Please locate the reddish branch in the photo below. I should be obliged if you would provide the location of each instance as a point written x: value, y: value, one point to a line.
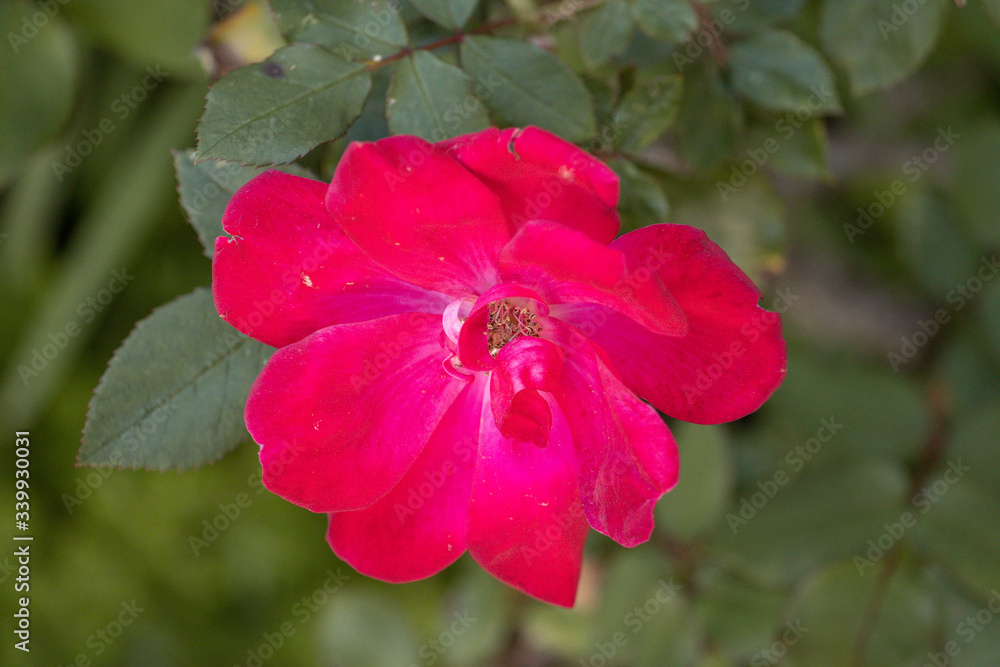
x: 708, y: 26
x: 550, y: 17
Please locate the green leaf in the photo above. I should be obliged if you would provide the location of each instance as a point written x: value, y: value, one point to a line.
x: 965, y: 369
x: 979, y: 164
x: 960, y: 528
x: 803, y: 150
x: 647, y: 109
x: 206, y: 187
x: 449, y: 13
x: 992, y: 8
x: 779, y: 71
x: 895, y: 427
x: 742, y: 16
x: 704, y: 492
x: 604, y: 102
x: 933, y: 243
x: 37, y: 80
x: 707, y: 121
x: 831, y: 612
x: 352, y: 30
x: 174, y: 393
x: 433, y: 100
x: 634, y: 580
x: 786, y: 525
x: 566, y: 46
x: 670, y: 21
x: 877, y: 42
x: 345, y: 632
x: 738, y: 612
x: 278, y: 110
x: 491, y: 605
x: 605, y: 32
x: 977, y: 644
x: 642, y: 200
x: 974, y: 441
x: 747, y: 219
x: 162, y: 34
x: 959, y: 504
x: 989, y: 308
x: 525, y: 85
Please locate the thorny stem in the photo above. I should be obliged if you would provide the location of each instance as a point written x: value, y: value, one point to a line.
x: 875, y: 604
x: 717, y: 48
x: 938, y: 406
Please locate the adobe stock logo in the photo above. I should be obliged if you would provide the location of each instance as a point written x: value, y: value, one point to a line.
x: 959, y: 296
x: 913, y: 169
x: 796, y: 460
x: 923, y: 501
x: 37, y: 21
x: 88, y: 310
x: 720, y: 362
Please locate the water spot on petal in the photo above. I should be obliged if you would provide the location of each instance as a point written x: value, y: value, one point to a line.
x: 306, y: 280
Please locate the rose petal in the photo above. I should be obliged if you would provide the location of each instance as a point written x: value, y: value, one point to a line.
x: 565, y: 266
x: 626, y: 455
x: 342, y: 414
x: 733, y: 356
x: 525, y: 366
x: 289, y: 270
x: 540, y: 176
x: 419, y: 214
x: 418, y: 529
x: 526, y: 524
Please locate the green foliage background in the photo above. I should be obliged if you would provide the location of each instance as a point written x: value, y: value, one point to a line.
x: 846, y: 153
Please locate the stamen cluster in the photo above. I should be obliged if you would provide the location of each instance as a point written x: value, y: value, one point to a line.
x: 508, y: 322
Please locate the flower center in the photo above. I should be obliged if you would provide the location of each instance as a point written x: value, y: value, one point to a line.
x: 507, y: 322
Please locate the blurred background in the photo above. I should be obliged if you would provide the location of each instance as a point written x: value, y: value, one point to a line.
x: 853, y: 520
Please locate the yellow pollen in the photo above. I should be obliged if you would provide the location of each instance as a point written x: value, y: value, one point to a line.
x: 507, y: 322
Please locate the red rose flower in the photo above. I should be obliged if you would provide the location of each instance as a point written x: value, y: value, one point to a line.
x: 469, y: 360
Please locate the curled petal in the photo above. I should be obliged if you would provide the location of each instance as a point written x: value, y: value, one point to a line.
x: 288, y: 269
x: 342, y: 414
x: 540, y: 176
x: 525, y: 367
x: 565, y: 266
x: 626, y: 456
x: 454, y: 315
x: 526, y: 525
x: 733, y: 356
x: 419, y: 214
x: 525, y: 417
x: 418, y: 529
